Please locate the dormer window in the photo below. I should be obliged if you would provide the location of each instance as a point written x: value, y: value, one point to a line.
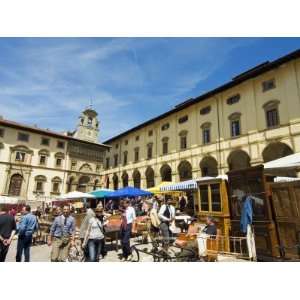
x: 205, y: 110
x: 233, y: 99
x: 183, y: 119
x: 90, y: 121
x: 165, y: 126
x: 268, y: 85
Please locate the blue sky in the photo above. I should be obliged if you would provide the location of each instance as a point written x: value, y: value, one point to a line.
x: 49, y: 81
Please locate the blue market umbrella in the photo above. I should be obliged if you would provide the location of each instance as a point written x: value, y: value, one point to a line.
x: 101, y: 193
x: 128, y: 192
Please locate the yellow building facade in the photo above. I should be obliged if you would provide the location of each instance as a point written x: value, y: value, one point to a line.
x: 252, y: 119
x: 39, y: 165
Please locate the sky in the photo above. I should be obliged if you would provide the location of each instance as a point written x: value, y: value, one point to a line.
x: 48, y: 81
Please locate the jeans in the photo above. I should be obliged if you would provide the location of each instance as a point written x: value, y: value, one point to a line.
x: 165, y: 232
x: 125, y: 240
x: 94, y: 247
x: 24, y: 244
x: 3, y: 252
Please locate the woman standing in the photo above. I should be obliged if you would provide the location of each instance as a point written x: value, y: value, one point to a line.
x: 95, y: 236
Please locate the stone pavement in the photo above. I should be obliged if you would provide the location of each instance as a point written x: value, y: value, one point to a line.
x: 41, y: 253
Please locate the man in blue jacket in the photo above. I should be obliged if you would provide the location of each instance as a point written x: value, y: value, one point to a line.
x: 27, y: 226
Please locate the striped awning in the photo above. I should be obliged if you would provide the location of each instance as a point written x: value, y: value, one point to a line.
x: 180, y: 186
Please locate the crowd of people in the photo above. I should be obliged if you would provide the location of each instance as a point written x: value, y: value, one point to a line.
x: 159, y: 212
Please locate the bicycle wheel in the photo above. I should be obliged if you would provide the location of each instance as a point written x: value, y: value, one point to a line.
x: 135, y: 254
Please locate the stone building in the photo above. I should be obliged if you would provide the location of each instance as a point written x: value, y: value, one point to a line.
x: 252, y: 119
x: 38, y: 164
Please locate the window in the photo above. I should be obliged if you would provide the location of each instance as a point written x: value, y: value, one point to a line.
x: 45, y: 142
x: 183, y: 119
x: 272, y: 115
x: 43, y: 159
x: 210, y: 199
x: 117, y: 146
x: 183, y: 142
x: 125, y: 158
x: 73, y: 165
x: 233, y: 99
x: 204, y: 198
x: 60, y: 144
x: 39, y: 186
x: 1, y: 132
x: 20, y: 156
x: 90, y: 121
x: 235, y: 124
x: 215, y: 197
x: 55, y: 188
x: 126, y: 142
x: 205, y: 110
x: 165, y: 147
x: 150, y: 132
x: 268, y: 85
x: 165, y: 126
x: 206, y: 135
x: 107, y: 163
x: 56, y: 182
x: 115, y: 160
x: 149, y: 151
x: 137, y: 138
x: 98, y: 168
x: 136, y: 154
x: 58, y: 162
x: 183, y: 139
x: 23, y: 137
x: 235, y: 128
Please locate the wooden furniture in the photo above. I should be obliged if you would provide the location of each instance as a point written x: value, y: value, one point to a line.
x: 213, y: 201
x: 276, y: 212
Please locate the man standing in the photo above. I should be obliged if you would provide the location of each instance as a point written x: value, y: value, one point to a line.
x: 62, y: 235
x: 128, y: 218
x: 7, y: 232
x: 154, y: 221
x: 167, y: 216
x: 27, y: 226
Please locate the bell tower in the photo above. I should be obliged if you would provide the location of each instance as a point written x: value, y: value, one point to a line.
x: 88, y: 126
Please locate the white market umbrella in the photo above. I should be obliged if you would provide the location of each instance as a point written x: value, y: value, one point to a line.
x: 288, y: 162
x: 75, y: 195
x: 8, y: 200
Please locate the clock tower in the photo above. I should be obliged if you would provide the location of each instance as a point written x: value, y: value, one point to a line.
x: 88, y: 126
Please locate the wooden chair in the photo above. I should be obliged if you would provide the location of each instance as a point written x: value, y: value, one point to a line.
x: 212, y: 246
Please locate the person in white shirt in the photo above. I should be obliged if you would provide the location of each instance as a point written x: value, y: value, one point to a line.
x: 128, y: 218
x: 167, y: 216
x: 95, y: 236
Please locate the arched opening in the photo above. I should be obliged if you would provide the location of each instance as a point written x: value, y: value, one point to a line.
x: 83, y: 184
x: 166, y: 173
x: 15, y: 185
x: 116, y: 181
x: 276, y: 150
x: 185, y: 170
x: 136, y: 179
x: 107, y: 182
x: 70, y: 184
x: 96, y: 184
x: 209, y: 167
x: 125, y: 179
x: 150, y: 177
x: 238, y: 159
